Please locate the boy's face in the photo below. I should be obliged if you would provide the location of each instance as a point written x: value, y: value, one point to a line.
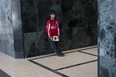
x: 52, y: 16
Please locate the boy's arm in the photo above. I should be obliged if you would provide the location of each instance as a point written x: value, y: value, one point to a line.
x: 48, y: 29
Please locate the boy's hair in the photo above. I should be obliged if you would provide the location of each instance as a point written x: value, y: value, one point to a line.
x: 52, y: 12
x: 48, y: 15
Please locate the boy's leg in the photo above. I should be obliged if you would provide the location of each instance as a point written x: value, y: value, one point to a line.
x: 58, y: 47
x: 54, y: 47
x: 59, y: 50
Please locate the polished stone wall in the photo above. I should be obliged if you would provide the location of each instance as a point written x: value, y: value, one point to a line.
x: 78, y: 29
x: 10, y: 28
x: 6, y: 30
x: 107, y: 38
x: 17, y: 28
x: 23, y: 25
x: 34, y: 18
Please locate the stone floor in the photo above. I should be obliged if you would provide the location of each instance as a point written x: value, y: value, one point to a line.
x: 76, y: 63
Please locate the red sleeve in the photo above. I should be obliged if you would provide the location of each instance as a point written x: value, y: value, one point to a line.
x: 48, y: 29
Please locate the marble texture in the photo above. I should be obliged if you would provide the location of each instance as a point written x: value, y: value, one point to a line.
x: 72, y: 23
x: 34, y: 18
x: 23, y: 25
x: 79, y: 27
x: 77, y: 71
x: 107, y: 38
x: 60, y: 62
x: 36, y: 44
x: 6, y: 30
x: 17, y: 29
x: 24, y: 68
x: 11, y: 41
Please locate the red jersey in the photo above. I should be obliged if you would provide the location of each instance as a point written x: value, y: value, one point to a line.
x: 52, y: 28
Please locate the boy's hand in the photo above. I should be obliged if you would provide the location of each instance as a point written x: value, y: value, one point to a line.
x: 51, y: 38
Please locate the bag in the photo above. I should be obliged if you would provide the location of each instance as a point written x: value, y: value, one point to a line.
x: 55, y: 38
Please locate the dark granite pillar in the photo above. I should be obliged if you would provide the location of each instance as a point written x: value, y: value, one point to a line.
x: 107, y: 38
x: 11, y: 41
x: 17, y: 28
x: 6, y: 30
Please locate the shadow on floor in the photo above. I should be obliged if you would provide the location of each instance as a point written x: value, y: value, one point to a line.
x: 3, y: 74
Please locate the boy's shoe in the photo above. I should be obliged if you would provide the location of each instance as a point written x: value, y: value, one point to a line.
x: 60, y: 55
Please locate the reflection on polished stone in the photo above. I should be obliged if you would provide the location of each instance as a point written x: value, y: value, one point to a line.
x: 78, y: 29
x: 26, y: 23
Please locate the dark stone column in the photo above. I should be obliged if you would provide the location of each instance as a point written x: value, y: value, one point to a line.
x: 11, y: 41
x: 17, y: 28
x: 107, y: 38
x: 6, y: 30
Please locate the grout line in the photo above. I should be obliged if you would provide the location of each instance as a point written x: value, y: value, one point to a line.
x: 82, y: 49
x: 87, y: 53
x: 63, y: 75
x: 71, y: 51
x: 43, y: 57
x: 75, y: 65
